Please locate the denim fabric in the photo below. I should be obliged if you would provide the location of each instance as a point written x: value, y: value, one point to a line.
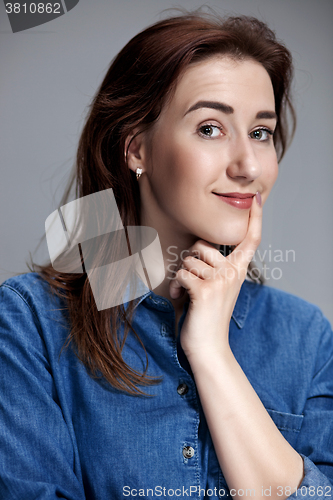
x: 66, y: 435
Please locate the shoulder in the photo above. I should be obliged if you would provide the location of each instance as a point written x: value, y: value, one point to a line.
x: 28, y: 291
x: 29, y: 308
x: 296, y: 322
x: 272, y: 302
x: 27, y: 285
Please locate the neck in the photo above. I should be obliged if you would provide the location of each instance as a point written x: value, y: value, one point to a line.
x: 175, y: 247
x: 175, y: 241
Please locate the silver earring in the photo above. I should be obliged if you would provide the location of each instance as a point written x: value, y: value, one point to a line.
x: 138, y: 173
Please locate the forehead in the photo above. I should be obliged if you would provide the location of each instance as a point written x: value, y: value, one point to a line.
x: 236, y: 83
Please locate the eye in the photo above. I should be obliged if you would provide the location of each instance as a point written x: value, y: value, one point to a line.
x: 261, y: 134
x: 209, y: 131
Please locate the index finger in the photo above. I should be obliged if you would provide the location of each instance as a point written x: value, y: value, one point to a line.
x: 244, y: 252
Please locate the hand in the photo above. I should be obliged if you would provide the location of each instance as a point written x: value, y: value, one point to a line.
x: 213, y: 283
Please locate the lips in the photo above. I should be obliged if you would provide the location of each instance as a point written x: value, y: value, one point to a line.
x: 237, y: 200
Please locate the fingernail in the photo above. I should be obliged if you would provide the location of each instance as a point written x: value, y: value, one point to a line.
x: 258, y: 198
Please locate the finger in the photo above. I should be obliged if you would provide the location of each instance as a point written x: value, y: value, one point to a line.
x: 197, y: 267
x: 175, y: 289
x: 244, y: 252
x: 207, y: 253
x: 183, y: 281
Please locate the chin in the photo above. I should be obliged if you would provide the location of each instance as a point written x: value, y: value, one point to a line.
x: 231, y: 238
x: 225, y: 242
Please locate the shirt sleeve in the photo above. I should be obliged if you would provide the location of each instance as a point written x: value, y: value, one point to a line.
x: 315, y: 441
x: 37, y: 457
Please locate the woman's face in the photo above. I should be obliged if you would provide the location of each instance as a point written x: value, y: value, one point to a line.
x: 213, y: 138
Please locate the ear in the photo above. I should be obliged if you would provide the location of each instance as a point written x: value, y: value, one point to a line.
x: 135, y: 152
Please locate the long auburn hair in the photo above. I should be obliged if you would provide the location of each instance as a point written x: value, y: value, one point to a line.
x: 139, y: 80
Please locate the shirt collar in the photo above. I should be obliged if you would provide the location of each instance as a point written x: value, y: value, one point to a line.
x: 239, y: 314
x: 243, y: 304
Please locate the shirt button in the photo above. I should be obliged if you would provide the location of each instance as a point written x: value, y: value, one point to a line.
x: 182, y: 389
x: 164, y: 330
x: 188, y: 451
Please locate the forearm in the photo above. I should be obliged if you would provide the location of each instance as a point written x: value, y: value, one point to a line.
x: 251, y: 451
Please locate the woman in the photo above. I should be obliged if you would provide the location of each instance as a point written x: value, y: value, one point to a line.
x: 211, y: 385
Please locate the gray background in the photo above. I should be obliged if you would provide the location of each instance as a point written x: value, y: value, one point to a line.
x: 50, y: 73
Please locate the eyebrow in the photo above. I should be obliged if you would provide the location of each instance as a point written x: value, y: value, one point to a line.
x: 267, y: 114
x: 228, y: 110
x: 220, y: 106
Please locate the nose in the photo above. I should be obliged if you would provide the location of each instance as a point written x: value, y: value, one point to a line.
x: 243, y: 162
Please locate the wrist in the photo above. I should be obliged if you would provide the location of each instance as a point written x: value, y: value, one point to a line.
x: 209, y: 359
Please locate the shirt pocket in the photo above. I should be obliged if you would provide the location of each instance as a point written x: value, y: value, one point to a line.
x: 289, y: 424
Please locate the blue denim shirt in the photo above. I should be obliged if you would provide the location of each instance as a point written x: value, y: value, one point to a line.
x: 66, y: 435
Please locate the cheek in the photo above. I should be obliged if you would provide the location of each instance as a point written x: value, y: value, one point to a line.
x: 271, y: 175
x: 274, y: 172
x: 193, y: 165
x: 178, y: 164
x: 170, y: 172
